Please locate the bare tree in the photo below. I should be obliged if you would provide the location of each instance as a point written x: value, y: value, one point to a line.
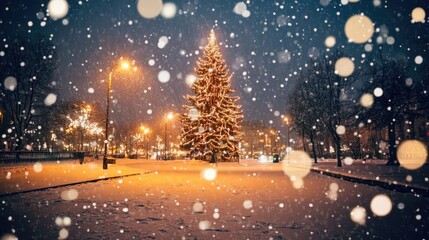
x: 402, y: 99
x: 26, y: 71
x: 324, y: 96
x: 302, y: 108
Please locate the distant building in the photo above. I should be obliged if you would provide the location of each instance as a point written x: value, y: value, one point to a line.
x: 258, y: 139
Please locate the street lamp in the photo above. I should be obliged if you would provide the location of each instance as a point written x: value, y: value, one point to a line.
x: 1, y: 122
x: 286, y: 120
x: 146, y: 132
x: 124, y: 65
x: 169, y: 117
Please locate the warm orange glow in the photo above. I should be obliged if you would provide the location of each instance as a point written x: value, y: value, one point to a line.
x: 125, y: 65
x: 144, y: 129
x: 286, y: 120
x: 170, y: 116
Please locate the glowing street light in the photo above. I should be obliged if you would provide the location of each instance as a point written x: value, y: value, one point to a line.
x: 146, y: 140
x: 1, y: 122
x: 286, y: 120
x: 123, y: 65
x: 169, y: 117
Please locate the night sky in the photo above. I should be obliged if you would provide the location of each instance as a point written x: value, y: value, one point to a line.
x: 264, y: 51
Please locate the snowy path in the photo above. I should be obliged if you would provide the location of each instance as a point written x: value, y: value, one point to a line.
x: 174, y: 201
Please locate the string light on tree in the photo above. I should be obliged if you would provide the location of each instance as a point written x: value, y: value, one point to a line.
x: 216, y: 128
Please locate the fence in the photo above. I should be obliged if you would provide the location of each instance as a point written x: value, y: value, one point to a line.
x: 18, y: 157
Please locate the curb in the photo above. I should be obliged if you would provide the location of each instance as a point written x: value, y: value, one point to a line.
x: 71, y: 184
x: 399, y: 187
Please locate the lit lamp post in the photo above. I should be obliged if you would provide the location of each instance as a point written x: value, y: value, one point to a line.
x: 1, y: 122
x: 169, y: 117
x: 286, y: 120
x: 124, y: 65
x: 146, y: 132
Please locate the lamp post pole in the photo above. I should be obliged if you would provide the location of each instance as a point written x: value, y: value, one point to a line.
x: 286, y: 120
x: 165, y: 141
x: 106, y: 136
x: 1, y: 122
x: 146, y: 132
x: 169, y: 117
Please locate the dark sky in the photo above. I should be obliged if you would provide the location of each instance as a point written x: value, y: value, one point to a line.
x: 256, y: 48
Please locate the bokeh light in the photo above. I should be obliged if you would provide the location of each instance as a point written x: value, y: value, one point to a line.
x: 296, y: 164
x: 359, y: 29
x: 378, y: 92
x: 366, y: 100
x: 209, y: 174
x: 190, y: 79
x: 247, y: 204
x: 169, y: 10
x: 69, y: 195
x: 58, y: 9
x: 149, y: 8
x: 10, y: 83
x: 344, y: 67
x: 163, y: 76
x: 341, y: 130
x: 348, y: 161
x: 412, y: 154
x: 204, y: 225
x: 330, y: 41
x: 418, y: 15
x: 381, y: 205
x: 37, y: 167
x: 197, y: 207
x: 358, y: 215
x: 418, y: 59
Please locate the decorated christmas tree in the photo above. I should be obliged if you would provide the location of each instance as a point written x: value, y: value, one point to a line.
x: 212, y: 123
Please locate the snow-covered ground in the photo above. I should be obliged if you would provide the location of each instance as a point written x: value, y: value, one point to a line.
x: 196, y: 200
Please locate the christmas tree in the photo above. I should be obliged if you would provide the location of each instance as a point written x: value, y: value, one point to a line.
x: 212, y: 123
